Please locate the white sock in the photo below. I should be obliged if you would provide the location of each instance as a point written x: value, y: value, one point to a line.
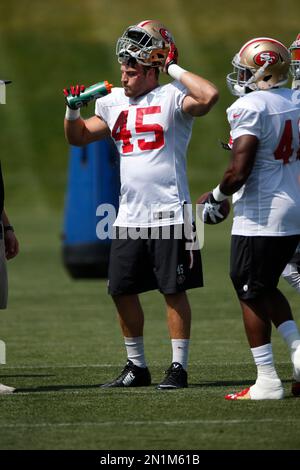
x: 180, y: 350
x: 290, y: 333
x: 268, y: 385
x: 263, y: 355
x: 135, y: 350
x: 263, y: 358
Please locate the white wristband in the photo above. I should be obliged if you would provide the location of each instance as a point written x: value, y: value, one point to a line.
x: 175, y: 71
x: 72, y: 114
x: 218, y: 195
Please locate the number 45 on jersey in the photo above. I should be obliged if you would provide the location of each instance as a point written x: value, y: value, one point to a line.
x: 120, y: 131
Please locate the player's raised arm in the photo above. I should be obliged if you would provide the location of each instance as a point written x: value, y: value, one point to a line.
x: 202, y: 93
x: 80, y: 131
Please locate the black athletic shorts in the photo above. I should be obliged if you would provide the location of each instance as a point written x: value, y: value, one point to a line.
x: 256, y: 263
x: 160, y: 258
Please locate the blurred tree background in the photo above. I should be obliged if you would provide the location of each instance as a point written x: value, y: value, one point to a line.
x: 46, y: 46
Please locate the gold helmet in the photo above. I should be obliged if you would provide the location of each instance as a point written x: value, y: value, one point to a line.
x: 295, y: 55
x: 261, y: 64
x: 147, y: 42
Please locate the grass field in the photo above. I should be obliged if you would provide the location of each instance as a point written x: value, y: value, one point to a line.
x: 63, y: 341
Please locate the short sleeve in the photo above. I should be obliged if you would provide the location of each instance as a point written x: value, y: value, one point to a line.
x: 180, y: 93
x: 99, y: 109
x: 244, y: 122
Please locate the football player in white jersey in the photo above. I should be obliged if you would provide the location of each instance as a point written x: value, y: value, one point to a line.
x: 151, y: 126
x: 264, y: 179
x: 291, y: 272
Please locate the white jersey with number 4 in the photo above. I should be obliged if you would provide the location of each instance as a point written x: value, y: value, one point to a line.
x: 269, y: 202
x: 151, y: 134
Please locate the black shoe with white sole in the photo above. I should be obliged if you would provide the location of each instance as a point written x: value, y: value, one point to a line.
x: 176, y: 377
x: 131, y: 376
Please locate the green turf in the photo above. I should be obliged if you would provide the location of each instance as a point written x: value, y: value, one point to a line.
x: 63, y: 341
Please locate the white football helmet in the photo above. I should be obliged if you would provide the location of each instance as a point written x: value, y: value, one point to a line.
x: 261, y: 64
x: 147, y: 42
x: 295, y: 62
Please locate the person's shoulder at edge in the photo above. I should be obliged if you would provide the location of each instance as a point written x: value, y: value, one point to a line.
x: 255, y: 101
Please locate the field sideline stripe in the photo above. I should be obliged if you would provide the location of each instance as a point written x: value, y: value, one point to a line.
x: 150, y: 423
x: 80, y: 366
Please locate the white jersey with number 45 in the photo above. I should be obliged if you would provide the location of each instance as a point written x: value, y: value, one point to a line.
x: 151, y: 134
x: 269, y: 202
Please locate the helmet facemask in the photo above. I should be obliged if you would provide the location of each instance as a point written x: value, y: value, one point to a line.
x: 139, y: 44
x: 238, y: 81
x: 295, y: 62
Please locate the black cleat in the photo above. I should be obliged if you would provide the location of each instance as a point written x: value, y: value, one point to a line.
x: 296, y: 389
x: 176, y: 377
x: 131, y: 376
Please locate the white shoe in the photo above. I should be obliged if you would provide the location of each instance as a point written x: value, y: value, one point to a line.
x: 267, y: 389
x: 6, y: 389
x: 296, y: 364
x: 263, y: 389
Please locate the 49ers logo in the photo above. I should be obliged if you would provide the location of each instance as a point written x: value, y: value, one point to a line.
x: 296, y: 43
x: 166, y: 35
x: 267, y: 56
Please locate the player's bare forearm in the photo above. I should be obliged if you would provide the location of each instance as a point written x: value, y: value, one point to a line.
x: 81, y: 132
x: 242, y: 161
x: 74, y: 131
x: 202, y: 94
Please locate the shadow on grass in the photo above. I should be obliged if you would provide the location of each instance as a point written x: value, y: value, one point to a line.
x: 26, y: 375
x: 225, y: 383
x: 222, y: 383
x: 54, y: 388
x: 59, y: 388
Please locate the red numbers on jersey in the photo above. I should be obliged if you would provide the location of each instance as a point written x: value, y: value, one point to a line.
x: 140, y: 127
x: 285, y: 149
x: 120, y: 131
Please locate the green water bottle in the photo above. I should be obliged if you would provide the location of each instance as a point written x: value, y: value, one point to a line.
x: 89, y: 94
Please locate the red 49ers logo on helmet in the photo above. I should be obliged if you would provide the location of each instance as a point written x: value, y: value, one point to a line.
x: 266, y: 56
x: 166, y: 35
x: 297, y: 41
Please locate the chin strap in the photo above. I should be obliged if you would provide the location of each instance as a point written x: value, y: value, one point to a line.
x: 258, y: 75
x: 255, y: 78
x: 241, y: 90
